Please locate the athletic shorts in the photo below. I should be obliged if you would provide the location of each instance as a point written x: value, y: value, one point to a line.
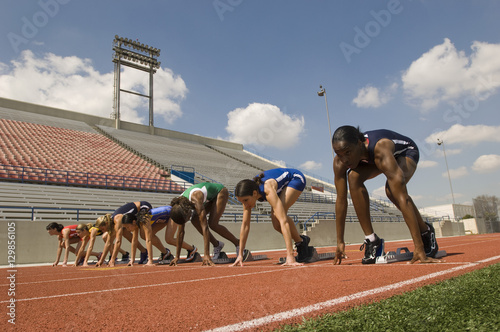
x: 298, y: 182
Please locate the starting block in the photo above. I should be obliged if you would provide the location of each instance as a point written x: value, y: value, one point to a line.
x: 401, y: 255
x: 197, y: 258
x: 312, y: 257
x: 223, y: 259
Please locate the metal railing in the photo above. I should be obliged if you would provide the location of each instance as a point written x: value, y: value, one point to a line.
x: 27, y: 174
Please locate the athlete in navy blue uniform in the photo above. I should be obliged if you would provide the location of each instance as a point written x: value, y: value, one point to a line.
x: 159, y: 218
x: 360, y: 157
x: 281, y: 187
x: 114, y: 224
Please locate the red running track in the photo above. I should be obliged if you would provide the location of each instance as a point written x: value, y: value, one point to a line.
x: 260, y: 296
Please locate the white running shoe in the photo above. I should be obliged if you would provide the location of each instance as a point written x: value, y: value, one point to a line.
x: 217, y: 250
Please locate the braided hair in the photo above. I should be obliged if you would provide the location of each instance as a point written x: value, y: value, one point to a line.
x: 181, y: 207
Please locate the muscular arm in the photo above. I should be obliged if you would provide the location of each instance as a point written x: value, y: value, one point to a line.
x: 180, y: 239
x: 118, y: 243
x: 65, y: 234
x: 197, y: 199
x: 340, y: 180
x: 270, y: 187
x: 81, y: 250
x: 148, y: 231
x: 244, y: 230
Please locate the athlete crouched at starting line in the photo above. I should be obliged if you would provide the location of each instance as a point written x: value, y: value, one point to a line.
x: 195, y: 204
x: 281, y: 187
x: 113, y: 224
x: 88, y: 233
x: 159, y: 218
x: 363, y: 156
x: 66, y: 236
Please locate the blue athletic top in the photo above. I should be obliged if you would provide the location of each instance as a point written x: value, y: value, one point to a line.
x: 131, y: 208
x: 161, y: 213
x: 285, y: 177
x: 404, y: 146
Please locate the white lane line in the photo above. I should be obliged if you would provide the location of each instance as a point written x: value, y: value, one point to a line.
x: 97, y: 277
x: 153, y: 285
x: 252, y: 324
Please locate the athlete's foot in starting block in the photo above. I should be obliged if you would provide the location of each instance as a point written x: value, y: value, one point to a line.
x: 312, y: 256
x: 247, y: 257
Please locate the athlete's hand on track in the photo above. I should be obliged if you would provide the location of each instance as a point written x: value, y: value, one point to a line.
x: 174, y: 262
x: 290, y: 261
x: 339, y: 254
x: 239, y: 260
x: 420, y: 256
x: 207, y: 261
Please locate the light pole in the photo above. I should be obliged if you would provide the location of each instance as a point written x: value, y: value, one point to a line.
x: 130, y: 53
x: 440, y: 142
x: 322, y: 93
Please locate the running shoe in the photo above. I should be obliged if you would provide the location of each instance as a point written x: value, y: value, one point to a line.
x: 303, y: 248
x: 372, y: 250
x: 217, y: 250
x: 125, y: 257
x: 191, y: 254
x: 144, y: 257
x: 429, y: 240
x: 166, y: 256
x: 246, y: 254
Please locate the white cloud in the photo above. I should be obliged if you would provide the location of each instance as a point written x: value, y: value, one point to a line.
x: 456, y: 173
x: 72, y: 83
x: 264, y: 125
x: 379, y: 193
x: 427, y: 163
x: 466, y: 134
x: 370, y: 96
x: 444, y: 74
x: 487, y: 163
x: 311, y: 165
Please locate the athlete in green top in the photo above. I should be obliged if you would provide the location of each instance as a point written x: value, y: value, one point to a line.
x: 195, y: 204
x: 209, y: 190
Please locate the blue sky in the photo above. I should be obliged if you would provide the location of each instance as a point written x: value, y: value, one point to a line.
x: 249, y: 71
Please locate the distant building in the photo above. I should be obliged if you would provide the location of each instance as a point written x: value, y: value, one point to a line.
x: 453, y: 212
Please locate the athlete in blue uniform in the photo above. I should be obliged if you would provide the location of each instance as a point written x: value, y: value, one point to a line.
x: 281, y: 187
x: 159, y: 219
x: 360, y: 157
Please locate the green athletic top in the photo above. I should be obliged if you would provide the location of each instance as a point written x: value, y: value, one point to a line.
x: 209, y: 190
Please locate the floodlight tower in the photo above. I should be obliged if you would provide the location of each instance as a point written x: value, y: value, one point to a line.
x: 130, y: 53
